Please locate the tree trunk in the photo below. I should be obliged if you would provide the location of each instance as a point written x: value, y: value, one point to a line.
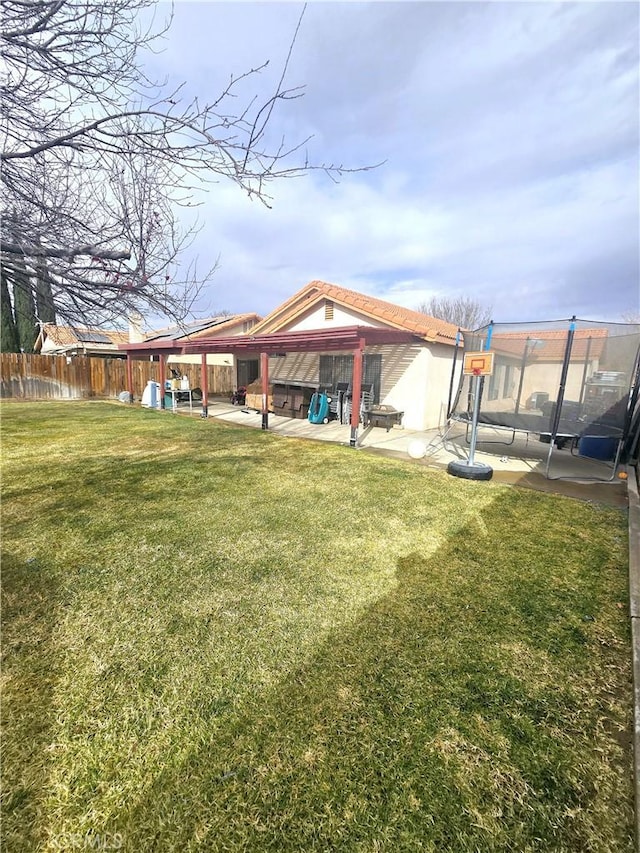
x: 25, y: 311
x: 45, y: 307
x: 8, y: 334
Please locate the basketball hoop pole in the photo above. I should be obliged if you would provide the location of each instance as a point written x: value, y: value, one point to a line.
x: 474, y: 419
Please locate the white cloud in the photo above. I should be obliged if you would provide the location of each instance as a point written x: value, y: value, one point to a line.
x: 511, y: 138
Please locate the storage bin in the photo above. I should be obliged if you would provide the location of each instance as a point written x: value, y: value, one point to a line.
x: 600, y: 447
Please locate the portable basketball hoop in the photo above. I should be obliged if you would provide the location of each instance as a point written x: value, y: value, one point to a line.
x: 476, y: 364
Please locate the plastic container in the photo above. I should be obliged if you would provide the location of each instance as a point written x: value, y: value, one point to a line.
x: 151, y: 395
x: 600, y: 447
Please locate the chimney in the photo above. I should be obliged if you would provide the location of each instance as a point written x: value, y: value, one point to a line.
x: 136, y: 335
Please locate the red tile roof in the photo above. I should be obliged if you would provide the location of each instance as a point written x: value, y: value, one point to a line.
x: 429, y: 328
x: 552, y: 344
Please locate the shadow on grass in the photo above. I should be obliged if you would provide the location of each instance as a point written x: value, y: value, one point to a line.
x: 106, y: 490
x: 30, y: 612
x: 468, y: 710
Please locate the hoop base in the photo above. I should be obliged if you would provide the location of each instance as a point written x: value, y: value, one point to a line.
x: 476, y: 471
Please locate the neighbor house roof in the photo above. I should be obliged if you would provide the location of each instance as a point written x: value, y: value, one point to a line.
x: 220, y: 325
x: 59, y: 339
x: 394, y: 316
x: 63, y: 338
x: 550, y: 345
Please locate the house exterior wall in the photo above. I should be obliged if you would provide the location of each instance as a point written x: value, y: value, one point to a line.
x: 415, y: 379
x: 546, y: 377
x: 225, y: 359
x: 405, y: 371
x: 314, y: 318
x: 440, y: 379
x: 49, y: 348
x: 303, y: 367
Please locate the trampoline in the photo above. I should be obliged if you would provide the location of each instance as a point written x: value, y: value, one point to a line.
x: 572, y: 384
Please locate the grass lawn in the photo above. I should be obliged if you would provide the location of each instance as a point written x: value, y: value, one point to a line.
x: 220, y: 639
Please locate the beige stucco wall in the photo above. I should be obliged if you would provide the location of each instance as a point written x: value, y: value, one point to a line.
x: 314, y: 319
x: 220, y: 358
x: 546, y: 377
x: 49, y: 347
x: 295, y: 367
x: 415, y: 379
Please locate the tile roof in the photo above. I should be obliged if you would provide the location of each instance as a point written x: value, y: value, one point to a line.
x: 430, y: 328
x: 67, y: 336
x: 100, y: 339
x: 551, y: 344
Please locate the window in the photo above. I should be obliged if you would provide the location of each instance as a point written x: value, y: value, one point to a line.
x: 339, y: 368
x: 248, y: 371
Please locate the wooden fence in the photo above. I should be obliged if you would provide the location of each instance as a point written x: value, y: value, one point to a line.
x: 46, y: 377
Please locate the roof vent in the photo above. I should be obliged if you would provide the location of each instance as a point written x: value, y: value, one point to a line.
x: 328, y: 309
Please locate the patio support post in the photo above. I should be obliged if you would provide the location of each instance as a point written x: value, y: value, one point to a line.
x: 130, y: 376
x: 356, y: 392
x: 205, y: 386
x: 162, y: 371
x: 264, y: 373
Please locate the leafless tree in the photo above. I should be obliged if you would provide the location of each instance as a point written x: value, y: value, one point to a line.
x: 462, y: 311
x: 97, y: 158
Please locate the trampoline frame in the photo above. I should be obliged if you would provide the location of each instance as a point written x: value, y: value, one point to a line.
x: 632, y: 411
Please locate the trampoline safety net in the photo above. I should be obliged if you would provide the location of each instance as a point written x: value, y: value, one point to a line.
x: 563, y: 380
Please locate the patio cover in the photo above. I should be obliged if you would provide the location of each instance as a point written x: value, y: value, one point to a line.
x: 354, y: 338
x: 313, y: 340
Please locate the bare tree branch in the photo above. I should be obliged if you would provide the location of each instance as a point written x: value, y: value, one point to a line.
x: 97, y: 158
x: 462, y: 311
x: 71, y: 254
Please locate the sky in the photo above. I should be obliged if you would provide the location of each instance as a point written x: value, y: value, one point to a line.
x: 508, y: 135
